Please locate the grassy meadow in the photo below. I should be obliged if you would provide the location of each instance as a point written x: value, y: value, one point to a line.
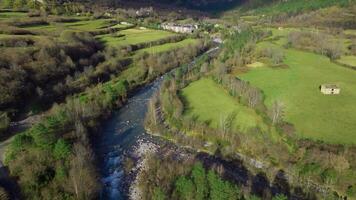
x: 11, y: 15
x: 348, y: 60
x: 134, y: 36
x: 209, y: 102
x: 168, y: 46
x: 315, y: 116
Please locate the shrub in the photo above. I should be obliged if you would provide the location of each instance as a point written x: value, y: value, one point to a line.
x: 3, y: 194
x: 61, y: 149
x: 351, y: 191
x: 4, y: 122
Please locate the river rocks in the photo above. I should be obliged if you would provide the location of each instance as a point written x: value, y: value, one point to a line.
x: 141, y: 152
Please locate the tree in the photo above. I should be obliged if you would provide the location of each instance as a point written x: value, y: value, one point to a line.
x: 184, y: 188
x: 219, y: 189
x: 61, y: 149
x: 158, y: 194
x: 280, y: 197
x: 4, y: 122
x: 82, y: 173
x: 334, y: 50
x: 19, y: 4
x: 277, y: 112
x: 254, y: 97
x: 152, y: 115
x: 8, y: 3
x: 199, y: 179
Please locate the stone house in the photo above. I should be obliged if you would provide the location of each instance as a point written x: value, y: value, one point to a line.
x: 329, y: 89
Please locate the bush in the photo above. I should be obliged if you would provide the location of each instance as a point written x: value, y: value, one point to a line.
x: 4, y: 122
x: 61, y: 149
x: 351, y: 191
x: 3, y: 194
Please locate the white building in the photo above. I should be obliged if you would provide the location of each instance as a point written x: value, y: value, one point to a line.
x: 179, y: 28
x: 329, y: 89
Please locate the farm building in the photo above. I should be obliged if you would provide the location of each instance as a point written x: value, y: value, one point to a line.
x: 329, y: 89
x: 179, y: 28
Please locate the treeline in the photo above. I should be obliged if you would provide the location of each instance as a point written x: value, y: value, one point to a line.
x: 172, y: 177
x: 316, y: 42
x: 54, y: 159
x: 155, y: 64
x: 46, y: 6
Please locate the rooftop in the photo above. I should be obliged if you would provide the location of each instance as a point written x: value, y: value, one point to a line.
x: 329, y: 86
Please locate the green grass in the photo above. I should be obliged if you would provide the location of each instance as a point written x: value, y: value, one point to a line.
x: 12, y: 15
x: 82, y: 25
x: 210, y: 102
x: 168, y: 46
x: 350, y: 32
x: 315, y: 116
x: 348, y: 60
x: 134, y: 36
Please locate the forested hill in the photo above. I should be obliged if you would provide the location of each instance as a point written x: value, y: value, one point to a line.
x: 191, y: 4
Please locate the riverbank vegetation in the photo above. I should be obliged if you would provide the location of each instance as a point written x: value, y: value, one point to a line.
x: 183, y: 174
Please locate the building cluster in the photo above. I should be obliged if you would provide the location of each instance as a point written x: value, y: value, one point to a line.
x: 180, y: 28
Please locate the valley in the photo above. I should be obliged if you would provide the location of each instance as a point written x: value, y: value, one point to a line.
x: 178, y: 100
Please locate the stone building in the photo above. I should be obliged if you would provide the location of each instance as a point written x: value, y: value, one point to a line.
x: 329, y: 89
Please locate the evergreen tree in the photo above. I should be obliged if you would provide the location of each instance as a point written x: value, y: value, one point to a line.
x: 184, y: 188
x: 158, y: 194
x: 199, y: 179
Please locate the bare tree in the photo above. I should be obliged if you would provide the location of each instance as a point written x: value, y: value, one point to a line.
x: 152, y: 113
x: 226, y: 123
x: 277, y: 112
x: 82, y: 173
x: 254, y: 97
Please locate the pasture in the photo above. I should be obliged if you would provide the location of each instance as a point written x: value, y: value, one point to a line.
x: 316, y: 116
x: 348, y: 60
x: 11, y: 15
x: 134, y: 36
x: 209, y: 102
x: 81, y: 25
x: 168, y: 46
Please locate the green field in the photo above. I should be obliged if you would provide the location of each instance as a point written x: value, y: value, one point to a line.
x: 315, y: 116
x: 168, y: 46
x: 350, y: 32
x: 134, y: 36
x: 12, y: 15
x: 208, y: 101
x: 82, y: 25
x: 348, y: 60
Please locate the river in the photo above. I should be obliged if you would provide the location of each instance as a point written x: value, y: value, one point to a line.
x: 119, y: 133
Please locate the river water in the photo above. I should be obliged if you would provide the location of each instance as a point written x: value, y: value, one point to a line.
x: 120, y: 133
